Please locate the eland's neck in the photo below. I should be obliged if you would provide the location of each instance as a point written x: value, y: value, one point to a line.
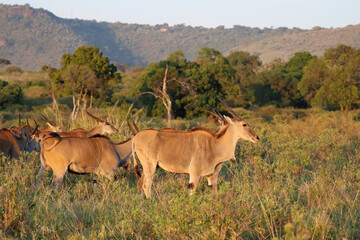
x: 226, y: 144
x: 96, y: 130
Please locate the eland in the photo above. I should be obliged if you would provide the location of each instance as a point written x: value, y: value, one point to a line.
x: 96, y: 155
x: 16, y: 139
x: 197, y: 152
x: 100, y: 129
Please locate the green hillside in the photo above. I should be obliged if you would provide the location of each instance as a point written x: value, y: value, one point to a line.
x: 314, y: 41
x: 32, y: 37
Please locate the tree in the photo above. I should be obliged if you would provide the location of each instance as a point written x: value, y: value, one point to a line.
x: 4, y: 62
x: 274, y: 86
x: 85, y: 73
x: 79, y: 80
x: 246, y: 66
x: 160, y: 92
x: 215, y: 69
x: 10, y: 94
x: 334, y: 80
x: 165, y: 81
x: 315, y: 73
x: 206, y: 88
x: 192, y: 87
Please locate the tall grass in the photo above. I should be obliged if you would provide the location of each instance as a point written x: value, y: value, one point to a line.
x: 301, y: 181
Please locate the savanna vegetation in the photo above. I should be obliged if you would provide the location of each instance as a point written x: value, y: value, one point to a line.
x: 300, y: 181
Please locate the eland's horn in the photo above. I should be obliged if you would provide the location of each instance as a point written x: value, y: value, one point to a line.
x: 27, y: 122
x: 96, y: 118
x: 136, y: 128
x: 37, y: 125
x: 20, y: 125
x: 46, y: 120
x: 131, y: 129
x: 220, y: 117
x: 230, y: 110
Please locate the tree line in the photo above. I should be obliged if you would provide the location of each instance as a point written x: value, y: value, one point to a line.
x: 305, y: 80
x: 179, y: 88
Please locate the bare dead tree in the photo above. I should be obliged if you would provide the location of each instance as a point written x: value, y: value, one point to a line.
x: 161, y: 93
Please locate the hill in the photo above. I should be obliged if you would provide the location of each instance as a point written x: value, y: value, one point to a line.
x: 314, y: 41
x: 32, y: 37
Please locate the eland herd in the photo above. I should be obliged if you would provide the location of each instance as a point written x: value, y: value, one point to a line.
x: 198, y: 152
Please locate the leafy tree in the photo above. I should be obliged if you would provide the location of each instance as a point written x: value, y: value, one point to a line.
x: 275, y: 86
x: 246, y: 66
x: 207, y: 88
x: 10, y: 94
x: 192, y: 87
x: 295, y: 65
x: 4, y: 62
x: 85, y: 73
x: 334, y: 80
x: 278, y: 81
x: 216, y: 70
x: 315, y: 73
x: 164, y: 81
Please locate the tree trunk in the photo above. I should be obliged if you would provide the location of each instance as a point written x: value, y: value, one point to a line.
x: 76, y: 108
x: 166, y: 98
x: 55, y: 103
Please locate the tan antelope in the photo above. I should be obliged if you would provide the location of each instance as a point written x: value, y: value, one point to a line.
x: 197, y: 152
x: 102, y: 128
x: 14, y: 140
x: 78, y: 155
x: 83, y: 153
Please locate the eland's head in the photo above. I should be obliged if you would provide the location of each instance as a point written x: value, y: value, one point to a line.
x: 243, y: 130
x: 105, y: 126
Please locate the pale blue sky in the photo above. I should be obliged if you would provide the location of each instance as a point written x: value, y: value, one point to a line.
x: 304, y: 14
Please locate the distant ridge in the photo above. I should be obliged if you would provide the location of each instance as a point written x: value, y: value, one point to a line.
x: 314, y: 41
x: 31, y: 38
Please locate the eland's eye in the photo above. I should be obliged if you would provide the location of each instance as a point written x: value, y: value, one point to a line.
x: 244, y: 125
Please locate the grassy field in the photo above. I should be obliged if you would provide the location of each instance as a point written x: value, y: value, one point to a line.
x: 300, y: 181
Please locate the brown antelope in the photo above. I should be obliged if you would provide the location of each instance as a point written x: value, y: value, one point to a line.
x: 78, y: 155
x: 102, y: 128
x: 14, y: 140
x: 84, y: 154
x: 197, y: 152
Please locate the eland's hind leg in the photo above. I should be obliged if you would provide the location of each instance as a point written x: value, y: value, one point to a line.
x: 149, y: 170
x: 59, y: 173
x: 39, y: 176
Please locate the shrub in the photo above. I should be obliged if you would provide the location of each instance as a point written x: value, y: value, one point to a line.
x: 10, y: 94
x: 13, y: 69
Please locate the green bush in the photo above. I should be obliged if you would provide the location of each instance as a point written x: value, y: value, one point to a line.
x: 10, y: 94
x: 13, y: 69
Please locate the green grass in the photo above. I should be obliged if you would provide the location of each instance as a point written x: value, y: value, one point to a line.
x: 301, y: 181
x: 23, y: 77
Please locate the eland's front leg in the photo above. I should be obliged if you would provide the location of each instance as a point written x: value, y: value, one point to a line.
x: 193, y: 182
x: 212, y: 180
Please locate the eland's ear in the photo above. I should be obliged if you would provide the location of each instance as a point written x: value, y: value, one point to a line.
x: 228, y: 119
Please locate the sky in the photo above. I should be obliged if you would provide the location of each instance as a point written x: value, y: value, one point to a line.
x: 304, y: 14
